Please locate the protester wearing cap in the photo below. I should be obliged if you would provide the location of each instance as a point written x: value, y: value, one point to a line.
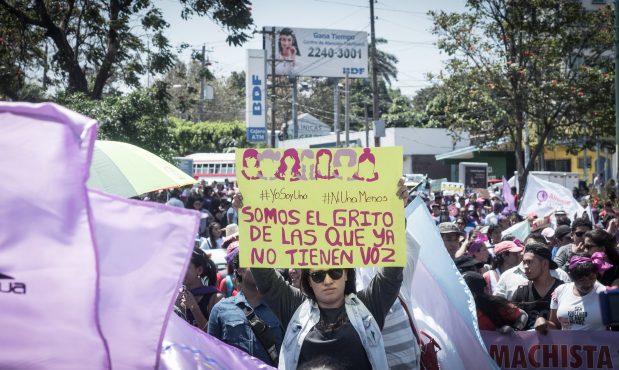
x: 507, y: 254
x: 229, y: 320
x: 534, y: 296
x: 579, y: 228
x: 450, y: 233
x: 562, y: 236
x: 562, y: 218
x: 511, y: 279
x: 467, y: 263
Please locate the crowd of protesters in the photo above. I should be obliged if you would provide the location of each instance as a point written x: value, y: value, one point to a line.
x: 311, y: 318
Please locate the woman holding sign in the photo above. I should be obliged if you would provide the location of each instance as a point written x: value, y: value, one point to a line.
x: 327, y: 318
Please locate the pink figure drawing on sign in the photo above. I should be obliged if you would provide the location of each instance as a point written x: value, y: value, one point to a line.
x: 323, y: 164
x: 289, y: 159
x: 251, y: 165
x: 366, y: 169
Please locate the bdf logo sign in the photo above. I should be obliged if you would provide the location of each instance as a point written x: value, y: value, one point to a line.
x: 353, y: 71
x: 256, y: 95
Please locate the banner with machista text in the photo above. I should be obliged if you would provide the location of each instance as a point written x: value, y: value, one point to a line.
x: 556, y: 350
x: 321, y: 207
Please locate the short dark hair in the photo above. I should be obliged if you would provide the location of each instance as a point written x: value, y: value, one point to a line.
x: 581, y: 222
x: 209, y: 268
x: 492, y: 228
x: 350, y: 287
x: 607, y: 241
x: 537, y: 236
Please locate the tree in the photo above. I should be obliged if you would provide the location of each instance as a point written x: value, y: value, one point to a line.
x: 207, y: 137
x: 139, y: 118
x: 401, y: 112
x: 96, y: 42
x: 544, y: 64
x: 228, y: 102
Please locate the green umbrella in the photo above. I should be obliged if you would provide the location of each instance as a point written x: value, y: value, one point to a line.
x: 127, y: 170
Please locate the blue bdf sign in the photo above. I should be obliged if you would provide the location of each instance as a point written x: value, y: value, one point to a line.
x: 255, y: 134
x: 255, y: 96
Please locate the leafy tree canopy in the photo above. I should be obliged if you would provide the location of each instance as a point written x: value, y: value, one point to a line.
x: 95, y: 43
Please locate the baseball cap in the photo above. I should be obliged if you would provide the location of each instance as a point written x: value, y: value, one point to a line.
x: 548, y: 233
x: 561, y: 231
x: 507, y: 246
x: 464, y: 263
x: 449, y: 228
x: 543, y: 252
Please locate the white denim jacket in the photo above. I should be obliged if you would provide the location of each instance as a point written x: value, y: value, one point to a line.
x: 308, y: 315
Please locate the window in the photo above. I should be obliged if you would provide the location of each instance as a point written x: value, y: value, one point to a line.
x: 561, y: 165
x: 580, y: 162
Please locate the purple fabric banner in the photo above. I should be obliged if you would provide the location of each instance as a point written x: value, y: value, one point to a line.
x: 48, y: 267
x: 143, y: 250
x: 557, y: 350
x: 186, y: 347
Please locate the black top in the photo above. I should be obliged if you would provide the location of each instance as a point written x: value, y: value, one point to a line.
x: 609, y: 276
x: 335, y: 334
x: 528, y: 299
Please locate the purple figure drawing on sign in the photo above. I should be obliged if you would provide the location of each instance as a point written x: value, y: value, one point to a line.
x: 366, y: 169
x: 290, y: 158
x: 251, y: 165
x: 323, y: 165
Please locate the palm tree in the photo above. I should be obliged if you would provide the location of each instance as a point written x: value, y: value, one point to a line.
x: 385, y: 63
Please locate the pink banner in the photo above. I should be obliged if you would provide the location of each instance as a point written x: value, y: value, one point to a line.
x: 557, y: 350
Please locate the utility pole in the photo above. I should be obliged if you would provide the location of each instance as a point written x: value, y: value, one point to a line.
x: 202, y: 83
x: 367, y: 126
x: 273, y: 92
x: 336, y: 111
x: 295, y: 121
x: 347, y: 110
x: 375, y: 112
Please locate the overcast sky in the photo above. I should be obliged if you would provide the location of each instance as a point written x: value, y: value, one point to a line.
x: 403, y: 23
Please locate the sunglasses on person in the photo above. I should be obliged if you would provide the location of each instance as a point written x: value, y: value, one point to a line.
x: 319, y: 276
x: 579, y: 233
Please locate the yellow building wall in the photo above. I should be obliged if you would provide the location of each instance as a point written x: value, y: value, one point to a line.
x: 559, y: 152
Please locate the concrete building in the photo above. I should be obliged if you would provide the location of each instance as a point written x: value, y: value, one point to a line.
x: 420, y: 145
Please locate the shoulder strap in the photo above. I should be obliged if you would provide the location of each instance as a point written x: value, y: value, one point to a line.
x: 261, y: 330
x: 410, y: 320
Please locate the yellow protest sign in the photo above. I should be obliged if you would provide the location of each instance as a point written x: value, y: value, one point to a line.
x: 316, y: 208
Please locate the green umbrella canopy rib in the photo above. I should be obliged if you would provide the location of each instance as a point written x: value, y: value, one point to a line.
x: 127, y: 170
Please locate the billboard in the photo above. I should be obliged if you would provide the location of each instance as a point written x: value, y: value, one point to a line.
x: 255, y: 96
x: 473, y: 175
x: 318, y: 52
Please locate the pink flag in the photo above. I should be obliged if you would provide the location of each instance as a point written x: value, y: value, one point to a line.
x: 48, y: 267
x: 508, y: 197
x: 186, y: 347
x: 143, y: 250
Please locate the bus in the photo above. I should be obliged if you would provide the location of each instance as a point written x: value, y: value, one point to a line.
x: 213, y: 166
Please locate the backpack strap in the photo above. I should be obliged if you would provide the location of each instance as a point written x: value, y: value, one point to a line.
x: 262, y: 331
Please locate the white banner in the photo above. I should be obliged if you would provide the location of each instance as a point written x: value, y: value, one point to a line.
x: 452, y: 188
x: 255, y: 96
x: 318, y: 52
x: 544, y: 197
